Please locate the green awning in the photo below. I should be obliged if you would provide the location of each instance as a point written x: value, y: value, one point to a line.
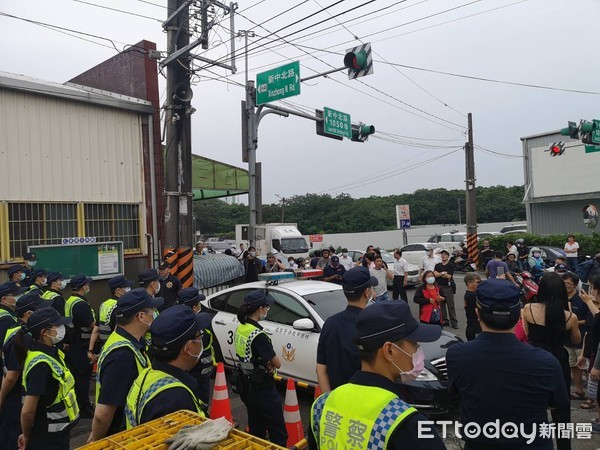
x: 214, y: 179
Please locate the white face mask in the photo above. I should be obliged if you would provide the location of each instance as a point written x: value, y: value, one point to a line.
x: 264, y: 316
x: 199, y: 341
x: 253, y: 254
x: 32, y: 263
x: 430, y: 280
x: 126, y: 289
x: 44, y: 281
x: 344, y: 255
x: 157, y: 290
x: 60, y: 335
x: 63, y: 284
x: 22, y: 276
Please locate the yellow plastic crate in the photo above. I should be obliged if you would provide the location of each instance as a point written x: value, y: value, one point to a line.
x: 151, y: 435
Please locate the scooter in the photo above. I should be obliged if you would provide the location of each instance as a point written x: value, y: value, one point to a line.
x: 463, y: 264
x: 527, y: 287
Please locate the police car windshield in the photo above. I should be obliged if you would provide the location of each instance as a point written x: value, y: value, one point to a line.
x: 326, y: 304
x: 294, y: 245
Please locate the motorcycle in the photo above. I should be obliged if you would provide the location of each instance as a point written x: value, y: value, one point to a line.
x: 528, y: 288
x: 463, y: 264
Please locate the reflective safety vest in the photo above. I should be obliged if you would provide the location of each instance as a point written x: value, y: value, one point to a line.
x: 207, y: 360
x: 5, y: 313
x: 106, y: 309
x: 148, y: 385
x: 244, y: 335
x: 86, y: 332
x: 7, y: 337
x: 50, y: 295
x: 115, y: 341
x: 336, y: 422
x: 63, y: 413
x: 33, y: 287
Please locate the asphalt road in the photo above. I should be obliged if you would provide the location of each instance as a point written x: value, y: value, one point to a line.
x: 305, y: 398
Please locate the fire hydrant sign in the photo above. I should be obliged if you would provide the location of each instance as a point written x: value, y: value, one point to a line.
x: 275, y: 84
x: 337, y: 123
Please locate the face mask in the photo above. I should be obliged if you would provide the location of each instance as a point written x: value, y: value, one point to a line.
x: 22, y: 276
x: 263, y: 317
x: 430, y: 280
x: 253, y: 254
x: 60, y: 335
x: 32, y: 263
x: 201, y: 349
x: 418, y: 362
x: 344, y: 254
x: 147, y: 323
x: 126, y: 289
x: 86, y: 290
x: 536, y: 255
x: 44, y: 281
x: 157, y: 290
x: 63, y: 284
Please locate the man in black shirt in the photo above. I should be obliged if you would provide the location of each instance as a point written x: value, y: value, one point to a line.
x: 169, y: 285
x: 472, y: 280
x: 252, y: 266
x: 444, y: 272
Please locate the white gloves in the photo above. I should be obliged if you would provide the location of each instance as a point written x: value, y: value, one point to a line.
x: 201, y: 437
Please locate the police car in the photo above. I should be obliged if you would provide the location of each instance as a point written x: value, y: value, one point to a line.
x: 295, y: 321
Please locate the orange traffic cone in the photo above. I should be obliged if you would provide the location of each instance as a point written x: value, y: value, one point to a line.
x: 317, y: 391
x: 220, y: 406
x: 291, y: 415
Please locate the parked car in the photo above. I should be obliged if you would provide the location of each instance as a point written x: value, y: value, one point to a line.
x: 219, y: 247
x: 487, y: 234
x: 294, y: 323
x: 549, y: 254
x: 414, y: 253
x: 515, y: 228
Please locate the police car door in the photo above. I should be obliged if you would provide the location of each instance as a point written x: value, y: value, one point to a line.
x: 297, y: 349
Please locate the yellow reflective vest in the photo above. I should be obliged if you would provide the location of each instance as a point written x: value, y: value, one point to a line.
x: 106, y: 309
x: 86, y: 332
x: 116, y: 341
x: 337, y: 422
x: 148, y: 385
x: 63, y: 413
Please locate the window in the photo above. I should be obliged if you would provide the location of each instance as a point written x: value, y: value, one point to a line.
x: 219, y: 302
x: 114, y: 222
x: 235, y: 300
x: 286, y: 310
x: 39, y: 224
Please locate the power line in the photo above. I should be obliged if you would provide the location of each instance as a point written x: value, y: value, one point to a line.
x: 492, y: 152
x: 119, y: 10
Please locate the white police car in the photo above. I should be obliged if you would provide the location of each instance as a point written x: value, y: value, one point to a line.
x: 294, y: 323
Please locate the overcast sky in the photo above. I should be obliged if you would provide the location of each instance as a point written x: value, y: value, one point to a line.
x: 541, y: 42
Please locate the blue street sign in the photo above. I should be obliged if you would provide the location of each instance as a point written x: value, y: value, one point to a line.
x: 405, y: 223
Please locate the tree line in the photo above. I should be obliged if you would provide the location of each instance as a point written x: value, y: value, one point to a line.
x: 324, y: 213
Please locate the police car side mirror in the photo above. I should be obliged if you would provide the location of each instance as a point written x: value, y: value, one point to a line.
x: 303, y: 325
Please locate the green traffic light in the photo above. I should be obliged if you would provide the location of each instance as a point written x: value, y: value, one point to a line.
x: 366, y: 130
x: 586, y: 127
x: 572, y: 131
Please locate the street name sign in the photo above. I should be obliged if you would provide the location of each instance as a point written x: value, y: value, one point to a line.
x: 337, y: 123
x: 278, y: 83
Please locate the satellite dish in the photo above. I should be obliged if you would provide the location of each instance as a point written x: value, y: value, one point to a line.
x: 183, y: 92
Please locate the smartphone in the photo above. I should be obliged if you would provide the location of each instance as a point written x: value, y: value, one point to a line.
x: 500, y: 271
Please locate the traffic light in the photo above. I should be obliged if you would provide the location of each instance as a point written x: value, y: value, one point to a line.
x: 572, y: 131
x: 586, y: 129
x: 361, y: 132
x: 557, y: 148
x: 358, y: 61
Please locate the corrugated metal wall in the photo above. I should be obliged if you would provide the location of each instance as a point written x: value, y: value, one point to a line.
x: 560, y: 217
x: 57, y: 150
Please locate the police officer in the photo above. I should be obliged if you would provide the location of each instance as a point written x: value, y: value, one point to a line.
x: 368, y: 413
x: 118, y: 286
x: 121, y: 360
x: 12, y: 390
x: 9, y: 293
x: 50, y: 407
x: 81, y: 355
x: 148, y: 279
x: 38, y: 280
x: 166, y: 387
x: 259, y: 361
x: 16, y: 273
x: 169, y: 285
x: 55, y: 283
x: 337, y: 355
x: 31, y: 261
x: 202, y: 371
x: 499, y: 378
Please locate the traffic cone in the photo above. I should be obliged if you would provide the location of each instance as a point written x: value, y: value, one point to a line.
x: 317, y: 391
x: 220, y: 406
x: 291, y: 415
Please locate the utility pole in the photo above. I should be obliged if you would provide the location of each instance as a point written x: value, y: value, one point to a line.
x: 178, y: 171
x: 470, y: 194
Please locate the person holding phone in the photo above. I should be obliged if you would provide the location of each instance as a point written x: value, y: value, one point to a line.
x: 496, y: 268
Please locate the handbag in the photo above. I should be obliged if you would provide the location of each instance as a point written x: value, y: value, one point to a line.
x: 435, y: 315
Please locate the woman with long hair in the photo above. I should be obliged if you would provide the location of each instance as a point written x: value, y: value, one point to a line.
x: 50, y: 408
x: 259, y: 361
x: 429, y: 298
x: 547, y: 324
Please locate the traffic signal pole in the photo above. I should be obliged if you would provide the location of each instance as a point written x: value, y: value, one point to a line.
x: 472, y: 247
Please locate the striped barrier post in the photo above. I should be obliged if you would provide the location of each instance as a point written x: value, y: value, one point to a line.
x: 473, y: 249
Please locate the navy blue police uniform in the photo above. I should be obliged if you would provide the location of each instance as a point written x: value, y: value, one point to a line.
x: 169, y: 288
x: 52, y: 296
x: 526, y: 380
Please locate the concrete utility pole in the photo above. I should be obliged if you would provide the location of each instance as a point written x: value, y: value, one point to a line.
x: 178, y: 169
x: 470, y: 194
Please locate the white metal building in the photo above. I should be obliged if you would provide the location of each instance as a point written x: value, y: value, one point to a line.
x: 71, y: 164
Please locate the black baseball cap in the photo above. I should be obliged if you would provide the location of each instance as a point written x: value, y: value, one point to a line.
x: 175, y: 325
x: 190, y: 296
x: 357, y: 279
x: 28, y: 302
x: 498, y: 297
x: 136, y: 300
x: 335, y: 259
x: 392, y: 321
x: 53, y: 276
x: 30, y: 257
x: 148, y: 275
x: 79, y: 281
x: 14, y: 269
x: 258, y: 298
x: 45, y: 318
x: 120, y: 281
x: 11, y: 288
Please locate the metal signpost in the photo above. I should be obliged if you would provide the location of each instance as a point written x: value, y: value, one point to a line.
x: 275, y: 84
x: 337, y: 123
x: 403, y: 220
